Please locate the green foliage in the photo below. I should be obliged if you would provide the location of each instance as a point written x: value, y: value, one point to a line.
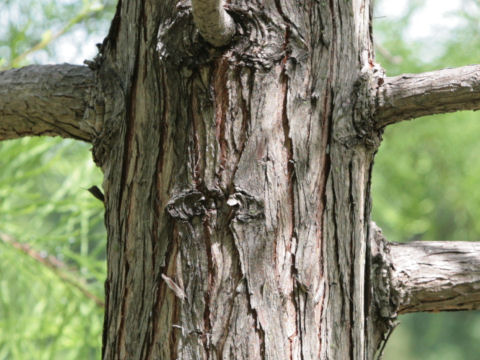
x: 425, y: 177
x: 28, y: 28
x: 43, y: 314
x: 52, y: 237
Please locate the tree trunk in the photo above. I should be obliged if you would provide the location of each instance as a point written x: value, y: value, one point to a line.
x: 237, y: 178
x: 237, y: 183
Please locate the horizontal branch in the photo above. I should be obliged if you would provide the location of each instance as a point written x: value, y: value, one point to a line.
x: 45, y: 100
x: 410, y: 96
x: 213, y: 22
x: 436, y: 275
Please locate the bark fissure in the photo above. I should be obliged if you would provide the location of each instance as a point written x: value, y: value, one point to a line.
x: 353, y: 256
x: 245, y: 105
x: 221, y: 106
x: 290, y: 188
x: 210, y: 285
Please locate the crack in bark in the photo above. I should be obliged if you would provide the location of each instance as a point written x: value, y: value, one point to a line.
x: 160, y: 292
x: 246, y: 120
x: 252, y: 311
x: 120, y: 339
x: 207, y: 324
x: 198, y: 165
x: 221, y: 91
x: 291, y: 178
x: 352, y: 260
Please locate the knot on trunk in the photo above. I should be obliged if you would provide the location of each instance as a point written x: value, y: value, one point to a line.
x: 187, y: 205
x: 385, y: 296
x: 246, y: 207
x: 365, y: 91
x: 241, y: 206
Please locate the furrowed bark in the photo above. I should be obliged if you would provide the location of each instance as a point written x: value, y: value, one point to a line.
x: 237, y: 184
x: 410, y: 96
x: 45, y: 100
x: 213, y: 22
x: 436, y: 275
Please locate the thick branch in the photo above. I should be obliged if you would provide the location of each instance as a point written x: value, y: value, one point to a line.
x: 45, y: 100
x: 409, y: 96
x: 436, y: 276
x: 213, y: 22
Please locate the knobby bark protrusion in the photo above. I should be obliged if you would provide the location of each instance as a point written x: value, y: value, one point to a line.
x: 214, y: 23
x: 423, y: 276
x: 45, y: 100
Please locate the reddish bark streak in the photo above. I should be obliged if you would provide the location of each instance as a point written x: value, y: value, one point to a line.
x: 207, y: 324
x: 326, y: 122
x: 162, y: 291
x: 290, y: 183
x: 220, y: 89
x: 197, y: 154
x: 246, y: 119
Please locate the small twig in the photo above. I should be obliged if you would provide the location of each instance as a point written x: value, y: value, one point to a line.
x: 213, y: 22
x: 393, y: 325
x: 394, y: 59
x: 53, y: 264
x: 97, y: 193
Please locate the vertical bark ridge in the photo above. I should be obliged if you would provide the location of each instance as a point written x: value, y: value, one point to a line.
x: 287, y: 141
x: 221, y: 91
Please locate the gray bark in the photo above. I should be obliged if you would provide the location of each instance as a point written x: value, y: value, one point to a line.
x: 436, y: 275
x: 410, y: 96
x: 45, y: 100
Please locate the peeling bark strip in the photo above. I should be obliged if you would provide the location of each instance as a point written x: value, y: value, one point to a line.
x: 410, y: 96
x: 46, y: 100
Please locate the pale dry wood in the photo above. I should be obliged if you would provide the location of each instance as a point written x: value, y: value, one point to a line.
x: 213, y: 22
x: 436, y: 275
x: 410, y: 96
x: 45, y: 100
